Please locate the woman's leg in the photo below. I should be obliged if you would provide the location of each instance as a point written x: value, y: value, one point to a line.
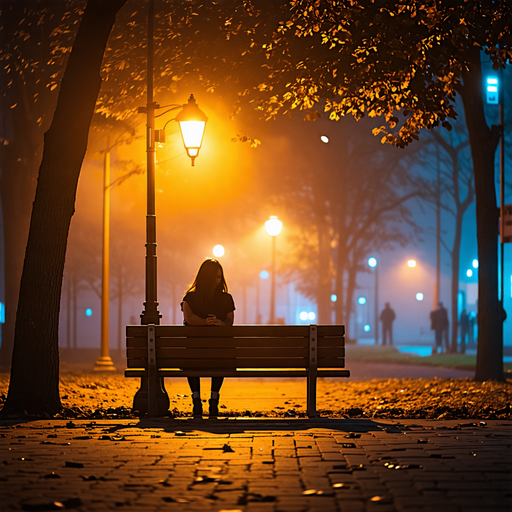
x: 217, y: 383
x: 214, y: 400
x: 195, y: 384
x: 195, y: 387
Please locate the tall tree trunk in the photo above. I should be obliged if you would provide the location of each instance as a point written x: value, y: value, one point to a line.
x: 484, y: 141
x: 34, y: 383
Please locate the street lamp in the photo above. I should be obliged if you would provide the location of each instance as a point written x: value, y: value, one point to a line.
x: 192, y: 123
x: 273, y: 227
x: 372, y: 262
x: 218, y: 251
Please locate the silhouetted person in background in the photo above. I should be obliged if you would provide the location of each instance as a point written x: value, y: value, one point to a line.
x: 387, y: 317
x: 464, y: 330
x: 439, y: 324
x: 207, y: 302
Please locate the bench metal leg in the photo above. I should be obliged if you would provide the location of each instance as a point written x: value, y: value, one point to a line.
x: 311, y: 398
x: 312, y: 373
x: 140, y: 400
x: 152, y: 397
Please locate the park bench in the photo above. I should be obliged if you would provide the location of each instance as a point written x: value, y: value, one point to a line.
x: 158, y: 351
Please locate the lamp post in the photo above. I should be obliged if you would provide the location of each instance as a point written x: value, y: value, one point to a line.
x: 372, y: 262
x: 104, y: 362
x: 192, y: 122
x: 273, y: 227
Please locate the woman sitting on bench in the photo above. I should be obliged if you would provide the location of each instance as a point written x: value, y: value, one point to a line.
x: 207, y: 302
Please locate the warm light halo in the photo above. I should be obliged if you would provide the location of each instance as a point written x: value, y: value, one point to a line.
x: 273, y: 226
x: 411, y: 263
x: 192, y: 121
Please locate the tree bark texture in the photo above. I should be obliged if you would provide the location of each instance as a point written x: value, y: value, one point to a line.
x: 483, y: 142
x: 34, y: 384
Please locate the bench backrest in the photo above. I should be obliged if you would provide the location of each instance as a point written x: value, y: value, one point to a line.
x: 239, y: 346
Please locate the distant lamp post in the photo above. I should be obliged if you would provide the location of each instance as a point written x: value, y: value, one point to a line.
x: 192, y: 123
x: 273, y: 227
x: 495, y: 96
x: 372, y: 262
x: 218, y: 251
x: 104, y: 362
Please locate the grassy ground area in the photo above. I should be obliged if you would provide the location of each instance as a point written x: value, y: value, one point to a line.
x: 379, y: 354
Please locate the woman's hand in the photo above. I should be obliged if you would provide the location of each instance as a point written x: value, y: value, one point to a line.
x: 213, y: 320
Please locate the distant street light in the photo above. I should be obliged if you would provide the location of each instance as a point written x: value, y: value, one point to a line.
x: 411, y: 263
x: 218, y: 251
x: 324, y: 139
x: 273, y: 227
x: 192, y: 123
x: 372, y: 262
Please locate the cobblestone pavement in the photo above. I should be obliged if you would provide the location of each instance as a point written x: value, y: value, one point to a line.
x: 256, y: 465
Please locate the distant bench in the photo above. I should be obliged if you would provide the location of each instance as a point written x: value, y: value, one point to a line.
x: 158, y: 351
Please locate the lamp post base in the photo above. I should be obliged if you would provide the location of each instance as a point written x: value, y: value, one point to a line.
x: 104, y: 364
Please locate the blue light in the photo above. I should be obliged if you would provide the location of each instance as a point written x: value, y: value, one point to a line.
x: 372, y: 262
x: 419, y: 297
x: 366, y: 328
x: 492, y: 93
x: 303, y: 315
x: 2, y: 313
x: 334, y: 297
x: 264, y: 274
x: 88, y: 312
x: 311, y: 316
x: 362, y: 300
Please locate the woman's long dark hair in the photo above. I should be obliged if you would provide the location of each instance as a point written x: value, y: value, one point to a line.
x: 204, y: 281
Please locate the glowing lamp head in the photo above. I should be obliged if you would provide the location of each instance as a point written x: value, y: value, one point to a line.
x: 218, y: 251
x: 273, y: 226
x: 372, y: 262
x: 411, y: 263
x: 475, y: 263
x: 324, y: 139
x: 419, y: 297
x: 192, y: 121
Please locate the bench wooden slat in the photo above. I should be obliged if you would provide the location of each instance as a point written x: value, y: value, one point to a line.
x: 335, y: 343
x: 238, y: 374
x: 260, y: 331
x: 220, y: 353
x: 248, y: 362
x: 331, y: 330
x: 276, y: 362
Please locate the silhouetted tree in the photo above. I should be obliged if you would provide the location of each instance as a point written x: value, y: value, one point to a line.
x: 34, y: 384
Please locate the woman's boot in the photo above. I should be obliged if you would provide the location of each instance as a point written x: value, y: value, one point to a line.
x: 214, y: 405
x: 197, y: 409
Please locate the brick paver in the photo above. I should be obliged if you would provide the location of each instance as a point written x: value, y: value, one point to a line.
x: 256, y: 465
